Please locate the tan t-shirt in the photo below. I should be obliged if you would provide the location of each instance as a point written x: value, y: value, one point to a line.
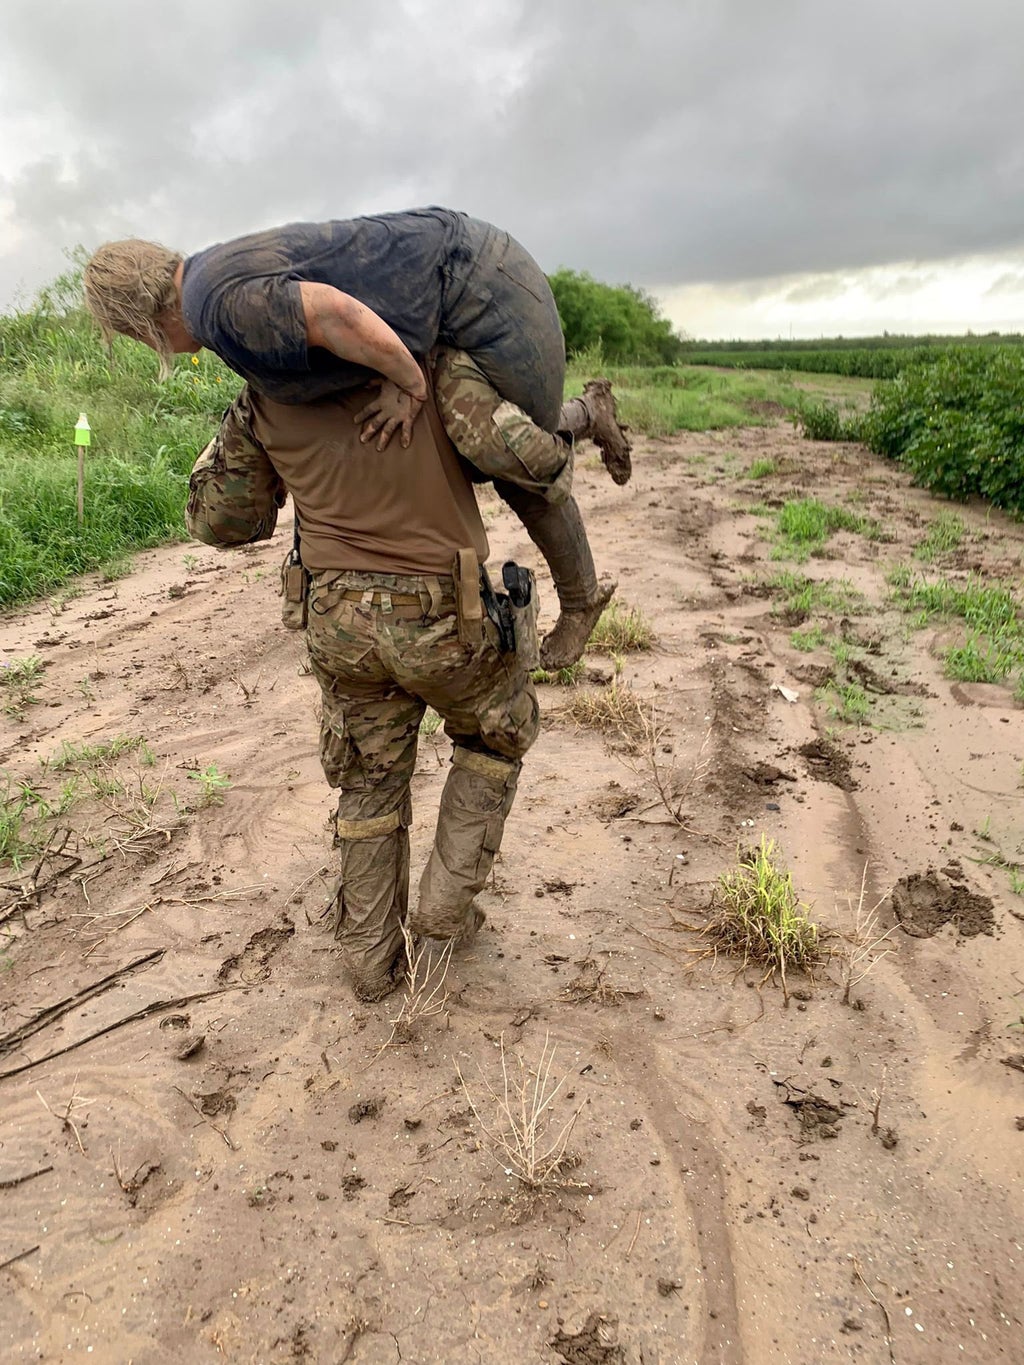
x: 389, y: 511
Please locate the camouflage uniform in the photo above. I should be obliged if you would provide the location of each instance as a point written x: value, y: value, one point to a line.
x: 384, y: 647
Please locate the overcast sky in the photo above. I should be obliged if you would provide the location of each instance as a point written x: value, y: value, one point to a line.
x: 764, y: 166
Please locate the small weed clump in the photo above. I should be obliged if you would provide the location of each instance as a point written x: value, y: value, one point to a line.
x: 944, y: 535
x: 620, y: 629
x: 761, y: 469
x: 846, y: 701
x: 758, y: 917
x: 806, y: 640
x: 804, y: 596
x: 616, y: 711
x: 562, y: 677
x: 18, y: 678
x: 213, y: 784
x: 803, y: 527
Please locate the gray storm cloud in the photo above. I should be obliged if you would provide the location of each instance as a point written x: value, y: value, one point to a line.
x: 663, y: 142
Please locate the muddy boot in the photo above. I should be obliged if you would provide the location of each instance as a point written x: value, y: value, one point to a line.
x: 565, y: 642
x: 593, y: 417
x: 476, y: 800
x: 372, y: 900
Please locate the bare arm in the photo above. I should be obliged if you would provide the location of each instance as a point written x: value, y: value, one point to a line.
x: 343, y: 325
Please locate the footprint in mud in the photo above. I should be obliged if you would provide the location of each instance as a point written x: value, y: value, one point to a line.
x: 252, y: 963
x: 926, y: 902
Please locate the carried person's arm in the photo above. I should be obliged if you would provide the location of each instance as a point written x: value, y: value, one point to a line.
x: 341, y: 324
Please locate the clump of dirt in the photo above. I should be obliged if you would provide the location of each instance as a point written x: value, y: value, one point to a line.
x: 819, y: 1116
x: 593, y: 1344
x: 872, y: 681
x: 365, y: 1109
x: 827, y: 762
x: 926, y: 902
x: 767, y: 774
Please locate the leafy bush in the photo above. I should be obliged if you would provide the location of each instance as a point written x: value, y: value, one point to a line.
x: 957, y: 423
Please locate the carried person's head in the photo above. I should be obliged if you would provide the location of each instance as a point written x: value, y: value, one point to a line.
x: 130, y: 289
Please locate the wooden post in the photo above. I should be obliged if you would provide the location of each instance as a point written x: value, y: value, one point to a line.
x: 83, y: 437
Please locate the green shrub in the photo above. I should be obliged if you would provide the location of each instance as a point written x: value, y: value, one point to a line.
x: 958, y: 424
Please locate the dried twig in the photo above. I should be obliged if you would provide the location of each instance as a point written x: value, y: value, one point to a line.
x: 206, y: 1118
x: 864, y: 950
x: 521, y: 1135
x: 10, y: 1042
x: 13, y: 1260
x: 858, y: 1275
x: 23, y: 1179
x: 155, y: 1008
x: 426, y: 995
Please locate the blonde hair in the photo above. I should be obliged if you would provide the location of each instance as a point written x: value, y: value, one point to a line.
x: 129, y: 285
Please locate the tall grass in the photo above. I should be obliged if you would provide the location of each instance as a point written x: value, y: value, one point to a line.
x: 54, y: 365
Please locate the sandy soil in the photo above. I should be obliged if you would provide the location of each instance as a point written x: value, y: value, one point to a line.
x: 240, y: 1173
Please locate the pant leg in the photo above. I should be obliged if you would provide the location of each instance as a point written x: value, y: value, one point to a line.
x: 490, y: 710
x: 498, y: 306
x: 558, y: 532
x: 369, y: 732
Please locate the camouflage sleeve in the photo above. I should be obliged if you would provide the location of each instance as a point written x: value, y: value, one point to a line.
x: 495, y: 436
x: 234, y: 491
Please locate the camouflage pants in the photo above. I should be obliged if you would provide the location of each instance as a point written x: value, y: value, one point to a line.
x: 532, y: 471
x: 383, y: 648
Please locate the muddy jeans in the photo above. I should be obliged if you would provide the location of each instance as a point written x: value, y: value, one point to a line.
x: 383, y: 648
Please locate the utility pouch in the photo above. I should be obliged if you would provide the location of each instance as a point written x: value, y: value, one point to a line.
x: 294, y: 585
x: 521, y: 587
x: 468, y: 605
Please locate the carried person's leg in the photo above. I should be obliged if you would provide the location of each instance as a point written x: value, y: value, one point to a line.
x: 532, y: 472
x: 368, y: 737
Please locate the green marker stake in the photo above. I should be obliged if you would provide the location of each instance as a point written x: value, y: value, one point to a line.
x: 83, y: 438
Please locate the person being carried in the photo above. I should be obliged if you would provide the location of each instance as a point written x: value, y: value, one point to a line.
x: 313, y: 310
x: 394, y: 625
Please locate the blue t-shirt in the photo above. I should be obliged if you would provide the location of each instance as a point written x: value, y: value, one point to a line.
x: 241, y: 299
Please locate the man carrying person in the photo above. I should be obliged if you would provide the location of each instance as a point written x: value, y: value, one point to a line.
x: 311, y: 311
x: 395, y: 624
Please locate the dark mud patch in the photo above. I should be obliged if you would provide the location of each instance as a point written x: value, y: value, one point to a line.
x: 594, y: 1344
x: 926, y: 902
x: 872, y: 681
x: 827, y: 763
x: 365, y: 1109
x: 819, y: 1115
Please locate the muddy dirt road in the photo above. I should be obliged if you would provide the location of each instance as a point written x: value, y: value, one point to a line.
x: 206, y: 1156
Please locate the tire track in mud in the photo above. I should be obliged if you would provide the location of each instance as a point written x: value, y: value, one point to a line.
x: 703, y: 1195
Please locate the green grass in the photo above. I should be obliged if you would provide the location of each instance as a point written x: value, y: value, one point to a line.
x: 806, y: 640
x: 561, y: 677
x: 90, y: 755
x: 661, y: 400
x: 944, y: 535
x: 807, y: 596
x: 18, y: 678
x: 757, y: 915
x: 762, y: 469
x: 620, y: 629
x: 804, y: 526
x: 145, y: 436
x: 846, y: 701
x: 994, y: 643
